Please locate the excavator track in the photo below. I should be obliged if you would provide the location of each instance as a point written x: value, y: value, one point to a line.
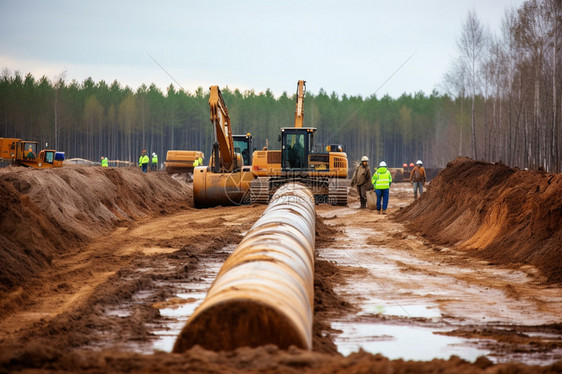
x: 338, y: 193
x: 259, y: 191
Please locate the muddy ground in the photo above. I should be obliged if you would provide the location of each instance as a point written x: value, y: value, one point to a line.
x: 93, y: 260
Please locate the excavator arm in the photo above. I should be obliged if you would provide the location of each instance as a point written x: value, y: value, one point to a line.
x: 223, y: 130
x: 299, y: 111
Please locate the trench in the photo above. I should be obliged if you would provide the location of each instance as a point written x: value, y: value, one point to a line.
x: 406, y: 304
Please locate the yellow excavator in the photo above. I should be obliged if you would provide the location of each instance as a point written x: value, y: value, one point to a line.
x: 224, y: 181
x: 25, y: 153
x: 322, y: 169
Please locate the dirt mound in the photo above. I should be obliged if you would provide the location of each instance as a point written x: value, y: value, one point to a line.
x: 39, y: 358
x: 502, y: 214
x: 48, y: 212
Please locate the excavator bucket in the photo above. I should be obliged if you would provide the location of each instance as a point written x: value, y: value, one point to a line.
x: 212, y: 189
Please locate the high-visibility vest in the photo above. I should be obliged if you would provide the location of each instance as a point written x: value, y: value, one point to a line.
x: 381, y: 179
x: 104, y: 162
x: 143, y: 160
x: 155, y: 159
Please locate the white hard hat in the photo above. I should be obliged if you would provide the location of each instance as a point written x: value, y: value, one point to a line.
x: 382, y: 164
x: 418, y: 162
x: 364, y: 158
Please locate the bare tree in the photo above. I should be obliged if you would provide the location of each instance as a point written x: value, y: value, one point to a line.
x: 533, y: 32
x: 471, y: 45
x: 554, y: 17
x: 456, y: 81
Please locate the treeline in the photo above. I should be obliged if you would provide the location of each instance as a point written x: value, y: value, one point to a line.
x: 502, y: 103
x: 90, y: 119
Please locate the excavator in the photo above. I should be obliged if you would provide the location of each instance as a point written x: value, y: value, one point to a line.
x: 322, y: 169
x: 225, y: 181
x: 24, y: 153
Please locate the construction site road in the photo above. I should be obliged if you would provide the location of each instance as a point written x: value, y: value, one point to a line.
x: 84, y: 294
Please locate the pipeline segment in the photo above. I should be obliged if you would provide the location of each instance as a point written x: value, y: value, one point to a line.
x: 264, y: 292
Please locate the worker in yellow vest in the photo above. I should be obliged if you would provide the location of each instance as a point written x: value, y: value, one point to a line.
x: 143, y: 161
x: 198, y: 162
x: 104, y: 162
x: 154, y: 165
x: 381, y: 182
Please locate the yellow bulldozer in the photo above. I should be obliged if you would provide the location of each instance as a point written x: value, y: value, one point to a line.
x: 322, y: 169
x: 24, y: 153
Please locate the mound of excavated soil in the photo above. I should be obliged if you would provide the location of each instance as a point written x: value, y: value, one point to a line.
x: 47, y: 212
x: 502, y: 214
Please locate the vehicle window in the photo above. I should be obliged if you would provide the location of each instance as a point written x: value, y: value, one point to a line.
x: 296, y: 151
x: 49, y: 157
x: 242, y: 147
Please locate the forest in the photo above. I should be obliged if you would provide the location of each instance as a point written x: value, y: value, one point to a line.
x: 500, y: 101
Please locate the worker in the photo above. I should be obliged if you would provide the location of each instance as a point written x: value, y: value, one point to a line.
x: 104, y: 162
x: 361, y: 178
x: 143, y: 161
x: 154, y: 166
x: 417, y: 178
x: 381, y: 182
x: 30, y: 155
x: 198, y: 162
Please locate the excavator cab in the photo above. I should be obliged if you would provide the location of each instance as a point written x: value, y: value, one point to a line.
x: 243, y: 144
x: 29, y: 151
x: 296, y: 144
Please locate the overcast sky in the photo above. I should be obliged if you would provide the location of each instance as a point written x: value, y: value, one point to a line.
x: 344, y: 46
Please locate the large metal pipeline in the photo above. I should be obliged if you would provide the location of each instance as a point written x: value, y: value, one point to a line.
x: 264, y: 292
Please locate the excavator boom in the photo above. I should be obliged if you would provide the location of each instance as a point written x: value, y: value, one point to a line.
x: 223, y: 130
x: 299, y: 111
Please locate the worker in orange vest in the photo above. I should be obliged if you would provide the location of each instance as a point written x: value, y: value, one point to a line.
x: 417, y: 178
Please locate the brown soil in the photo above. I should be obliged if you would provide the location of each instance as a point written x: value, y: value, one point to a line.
x: 500, y: 214
x: 80, y: 245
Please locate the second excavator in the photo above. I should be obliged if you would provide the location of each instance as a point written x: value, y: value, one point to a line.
x: 322, y: 169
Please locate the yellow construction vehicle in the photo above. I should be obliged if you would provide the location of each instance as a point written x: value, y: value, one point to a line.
x: 24, y: 153
x: 322, y: 169
x: 225, y: 181
x: 178, y: 161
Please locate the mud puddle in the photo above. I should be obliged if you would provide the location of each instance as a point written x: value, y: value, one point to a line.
x: 184, y: 304
x: 414, y: 298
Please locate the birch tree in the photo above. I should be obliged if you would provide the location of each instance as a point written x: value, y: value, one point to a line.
x: 471, y: 45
